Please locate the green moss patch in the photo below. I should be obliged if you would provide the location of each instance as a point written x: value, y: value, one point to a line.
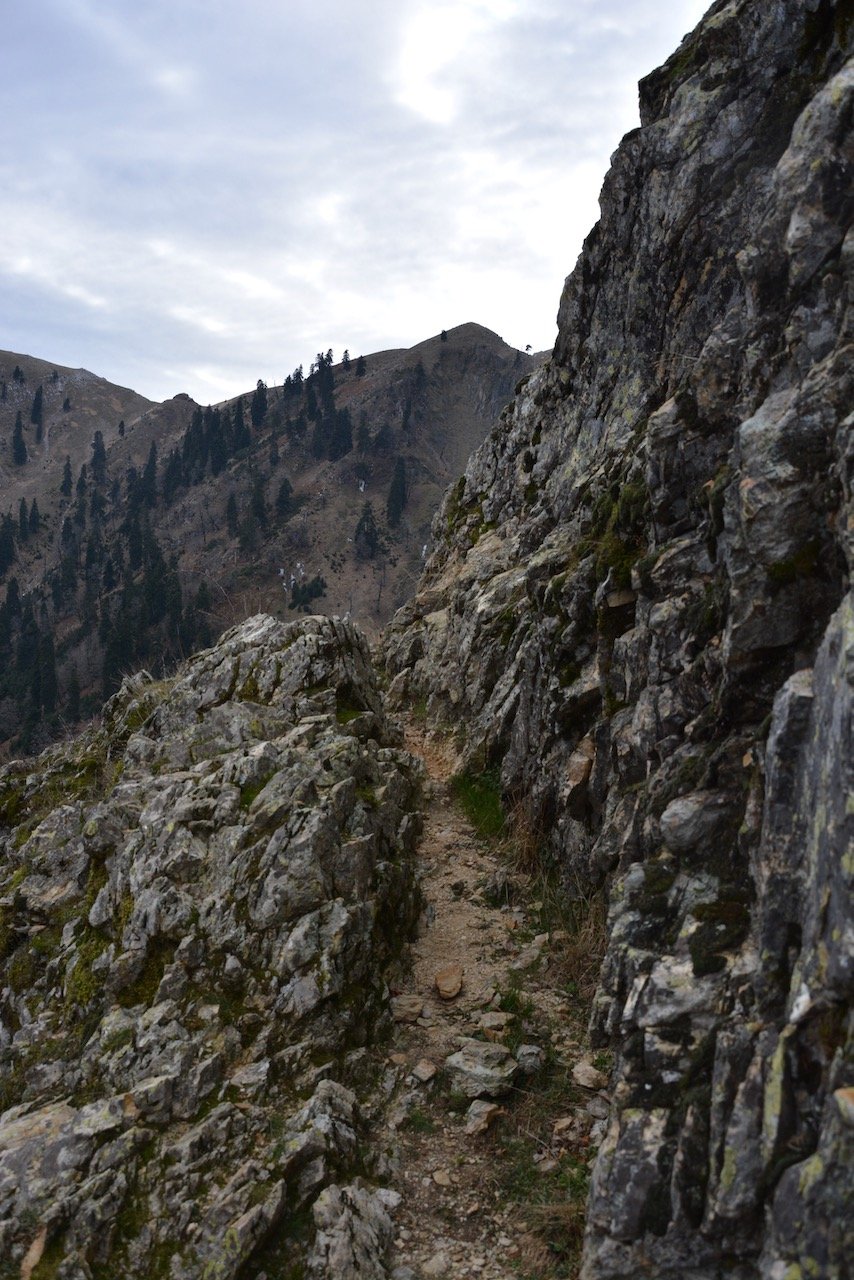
x: 479, y: 796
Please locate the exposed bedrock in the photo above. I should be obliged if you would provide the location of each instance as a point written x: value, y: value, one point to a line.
x: 639, y: 608
x: 198, y: 905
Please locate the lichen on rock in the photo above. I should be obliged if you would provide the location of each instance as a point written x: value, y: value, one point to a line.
x: 194, y: 949
x: 652, y: 644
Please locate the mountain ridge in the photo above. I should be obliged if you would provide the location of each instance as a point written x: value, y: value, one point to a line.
x: 251, y: 504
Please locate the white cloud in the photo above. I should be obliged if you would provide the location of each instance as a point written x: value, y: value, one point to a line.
x: 206, y: 192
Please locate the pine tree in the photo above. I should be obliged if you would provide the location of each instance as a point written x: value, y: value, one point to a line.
x: 284, y: 499
x: 241, y: 439
x: 341, y: 436
x: 361, y: 367
x: 149, y: 478
x: 345, y: 361
x: 19, y: 448
x: 384, y: 439
x: 172, y: 475
x: 366, y: 538
x: 397, y: 493
x: 23, y: 522
x: 258, y: 408
x: 97, y: 505
x: 7, y: 542
x: 37, y: 410
x: 317, y: 443
x: 67, y: 479
x: 13, y: 598
x: 99, y: 459
x: 231, y: 518
x: 258, y: 504
x: 34, y: 519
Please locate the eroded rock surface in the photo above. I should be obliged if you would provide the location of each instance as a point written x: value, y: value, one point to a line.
x: 639, y: 607
x: 198, y: 904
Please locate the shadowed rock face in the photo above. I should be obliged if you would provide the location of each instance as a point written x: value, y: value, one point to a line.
x: 639, y: 606
x: 198, y: 905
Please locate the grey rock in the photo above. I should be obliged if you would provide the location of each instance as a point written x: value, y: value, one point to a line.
x: 666, y: 575
x: 354, y: 1232
x: 481, y: 1069
x: 212, y: 931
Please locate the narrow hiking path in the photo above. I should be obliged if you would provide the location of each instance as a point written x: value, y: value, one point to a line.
x: 494, y: 1135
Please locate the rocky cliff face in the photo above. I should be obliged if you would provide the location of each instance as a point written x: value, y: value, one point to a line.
x: 197, y: 907
x: 639, y: 606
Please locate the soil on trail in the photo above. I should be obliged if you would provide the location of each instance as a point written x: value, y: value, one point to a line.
x: 507, y: 1200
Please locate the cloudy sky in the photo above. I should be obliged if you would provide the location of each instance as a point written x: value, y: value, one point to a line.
x: 195, y: 194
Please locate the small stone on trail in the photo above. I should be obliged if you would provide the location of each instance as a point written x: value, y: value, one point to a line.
x: 449, y: 981
x: 442, y: 1178
x: 482, y: 1069
x: 530, y: 1058
x: 406, y: 1008
x: 598, y: 1108
x: 436, y: 1266
x: 494, y: 1021
x: 424, y: 1070
x: 398, y: 1059
x: 481, y: 1115
x: 585, y: 1074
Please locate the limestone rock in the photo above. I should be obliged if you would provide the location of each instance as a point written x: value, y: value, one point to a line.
x: 585, y: 1074
x: 481, y: 1069
x: 354, y: 1232
x: 480, y: 1115
x: 209, y: 950
x: 406, y: 1008
x: 643, y: 581
x: 449, y: 981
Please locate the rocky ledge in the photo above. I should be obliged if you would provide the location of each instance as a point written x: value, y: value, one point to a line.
x: 198, y: 903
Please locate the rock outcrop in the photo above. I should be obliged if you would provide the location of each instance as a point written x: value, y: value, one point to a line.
x: 198, y: 904
x: 639, y: 607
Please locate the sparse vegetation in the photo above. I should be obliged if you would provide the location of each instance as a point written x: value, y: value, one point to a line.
x: 479, y: 796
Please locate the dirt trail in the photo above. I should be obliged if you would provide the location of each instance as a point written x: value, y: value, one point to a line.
x: 461, y: 1191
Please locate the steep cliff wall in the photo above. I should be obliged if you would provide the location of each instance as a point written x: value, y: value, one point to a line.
x: 639, y: 606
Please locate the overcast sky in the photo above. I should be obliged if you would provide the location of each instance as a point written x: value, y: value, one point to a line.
x: 195, y: 194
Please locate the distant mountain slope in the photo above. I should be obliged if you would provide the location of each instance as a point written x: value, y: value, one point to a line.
x: 132, y: 532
